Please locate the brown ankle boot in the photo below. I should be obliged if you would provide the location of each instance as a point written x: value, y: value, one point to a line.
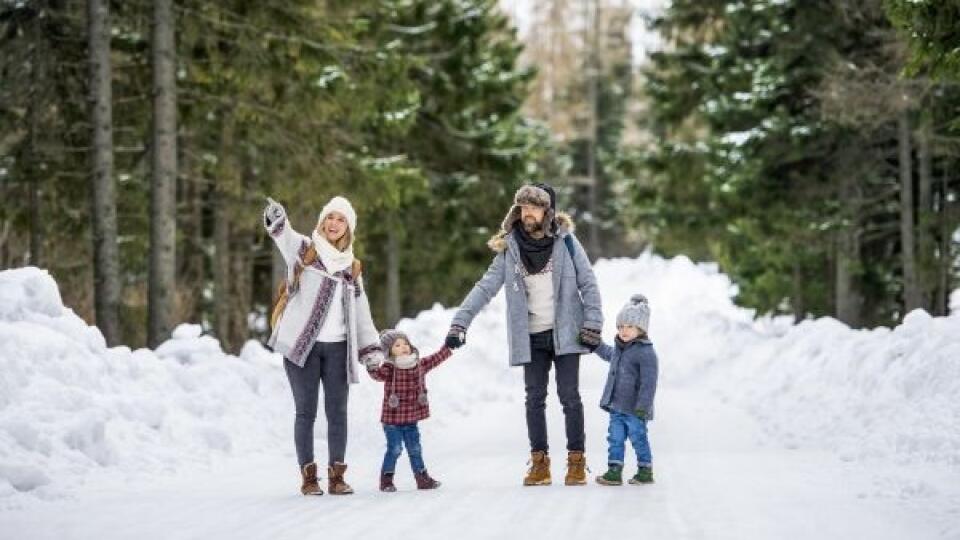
x: 539, y: 473
x: 335, y: 483
x: 310, y: 485
x: 576, y: 469
x: 425, y: 482
x: 386, y: 483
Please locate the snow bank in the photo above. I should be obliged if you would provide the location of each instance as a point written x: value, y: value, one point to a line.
x: 70, y: 407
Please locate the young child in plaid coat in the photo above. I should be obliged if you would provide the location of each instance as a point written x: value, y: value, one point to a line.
x: 404, y: 404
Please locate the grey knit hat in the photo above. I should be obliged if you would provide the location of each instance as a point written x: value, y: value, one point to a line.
x: 635, y: 313
x: 389, y: 337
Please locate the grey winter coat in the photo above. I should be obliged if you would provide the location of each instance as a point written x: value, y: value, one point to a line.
x: 575, y: 293
x: 632, y: 379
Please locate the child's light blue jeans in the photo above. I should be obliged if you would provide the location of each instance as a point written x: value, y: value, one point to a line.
x: 623, y: 426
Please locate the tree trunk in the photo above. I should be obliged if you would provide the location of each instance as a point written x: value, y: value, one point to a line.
x: 33, y: 170
x: 163, y: 192
x: 848, y: 300
x: 945, y: 262
x: 36, y: 228
x: 222, y: 287
x: 799, y: 305
x: 5, y: 227
x: 927, y: 255
x: 242, y: 263
x: 393, y: 307
x: 106, y: 259
x: 192, y: 253
x: 911, y: 290
x: 221, y: 270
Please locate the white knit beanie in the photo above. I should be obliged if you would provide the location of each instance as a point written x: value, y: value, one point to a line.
x: 341, y: 205
x: 635, y: 313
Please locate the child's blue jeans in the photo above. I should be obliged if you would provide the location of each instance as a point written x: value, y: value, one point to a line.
x: 399, y: 436
x: 624, y: 426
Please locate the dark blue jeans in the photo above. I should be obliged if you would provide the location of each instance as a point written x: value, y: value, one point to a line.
x: 536, y: 375
x: 397, y: 437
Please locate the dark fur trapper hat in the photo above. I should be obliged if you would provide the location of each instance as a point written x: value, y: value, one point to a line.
x: 541, y: 195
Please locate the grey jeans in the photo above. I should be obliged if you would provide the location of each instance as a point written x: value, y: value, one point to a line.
x: 326, y: 364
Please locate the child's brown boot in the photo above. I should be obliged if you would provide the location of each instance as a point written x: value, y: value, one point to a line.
x: 425, y: 482
x: 386, y: 483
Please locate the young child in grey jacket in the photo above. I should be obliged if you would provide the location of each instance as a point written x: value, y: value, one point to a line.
x: 628, y: 394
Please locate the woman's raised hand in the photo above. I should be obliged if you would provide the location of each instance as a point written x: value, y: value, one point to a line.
x: 272, y: 212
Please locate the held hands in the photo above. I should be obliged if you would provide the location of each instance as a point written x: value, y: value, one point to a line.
x: 273, y: 212
x: 371, y: 363
x: 456, y: 337
x: 589, y: 338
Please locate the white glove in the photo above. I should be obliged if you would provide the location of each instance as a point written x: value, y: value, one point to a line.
x: 273, y: 212
x: 371, y: 362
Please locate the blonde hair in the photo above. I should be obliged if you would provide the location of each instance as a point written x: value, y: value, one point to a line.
x: 343, y: 243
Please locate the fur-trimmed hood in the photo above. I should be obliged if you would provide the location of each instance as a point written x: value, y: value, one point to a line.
x: 498, y: 242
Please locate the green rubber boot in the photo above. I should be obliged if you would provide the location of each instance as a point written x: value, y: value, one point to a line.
x: 644, y: 476
x: 613, y: 476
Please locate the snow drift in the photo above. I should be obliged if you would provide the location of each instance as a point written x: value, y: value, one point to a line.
x: 70, y: 406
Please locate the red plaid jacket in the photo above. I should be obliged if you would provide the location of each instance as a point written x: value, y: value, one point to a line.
x: 407, y: 384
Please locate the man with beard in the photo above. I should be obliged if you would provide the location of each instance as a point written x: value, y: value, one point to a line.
x: 553, y: 315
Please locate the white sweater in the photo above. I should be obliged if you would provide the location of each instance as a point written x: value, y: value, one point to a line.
x: 325, y: 307
x: 540, y: 308
x: 334, y: 327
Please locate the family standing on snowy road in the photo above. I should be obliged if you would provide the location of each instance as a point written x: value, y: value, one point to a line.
x: 323, y: 328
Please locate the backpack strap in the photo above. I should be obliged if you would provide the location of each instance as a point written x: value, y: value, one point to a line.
x: 568, y: 240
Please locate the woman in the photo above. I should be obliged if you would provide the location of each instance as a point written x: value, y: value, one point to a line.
x: 324, y: 329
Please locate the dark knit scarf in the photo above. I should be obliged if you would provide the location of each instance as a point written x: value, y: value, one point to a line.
x: 534, y: 252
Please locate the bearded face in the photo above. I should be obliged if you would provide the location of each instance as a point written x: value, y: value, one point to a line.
x: 532, y: 218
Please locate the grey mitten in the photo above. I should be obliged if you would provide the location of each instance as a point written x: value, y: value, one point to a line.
x: 273, y: 212
x: 371, y: 363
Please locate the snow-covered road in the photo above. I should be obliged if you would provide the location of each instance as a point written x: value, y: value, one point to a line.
x: 715, y: 480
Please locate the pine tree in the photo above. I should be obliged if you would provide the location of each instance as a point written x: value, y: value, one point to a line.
x: 792, y: 152
x: 106, y: 258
